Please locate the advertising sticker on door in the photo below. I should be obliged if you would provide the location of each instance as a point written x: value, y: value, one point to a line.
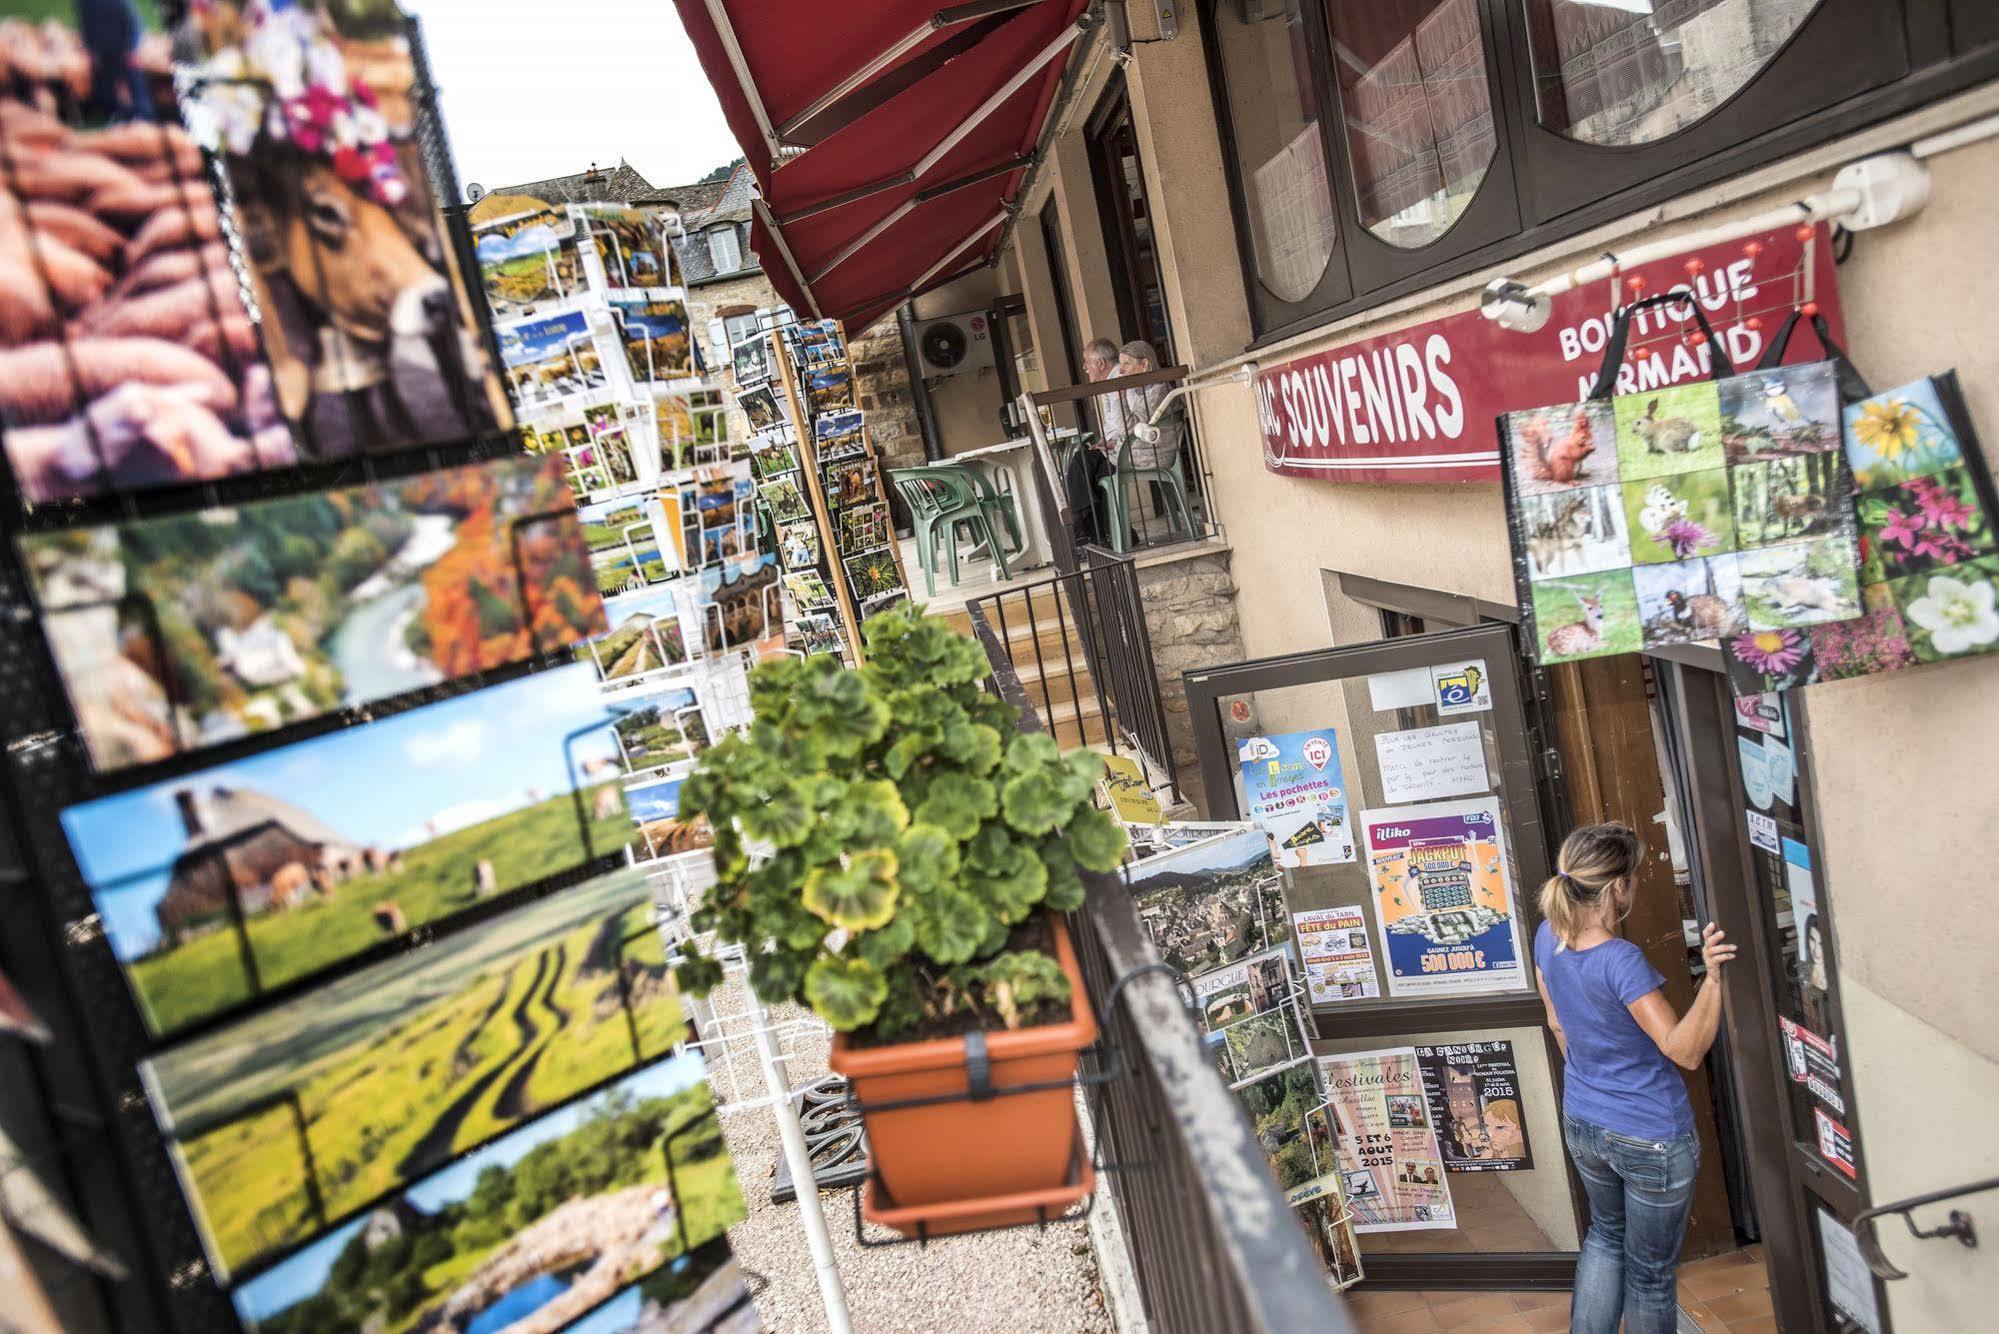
x: 1444, y: 897
x: 1462, y: 687
x: 1295, y: 794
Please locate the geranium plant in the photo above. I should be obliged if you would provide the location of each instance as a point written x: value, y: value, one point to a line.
x: 901, y: 838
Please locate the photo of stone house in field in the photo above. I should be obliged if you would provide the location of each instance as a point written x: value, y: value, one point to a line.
x: 270, y: 852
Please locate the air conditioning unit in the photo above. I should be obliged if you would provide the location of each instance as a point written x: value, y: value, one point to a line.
x: 954, y: 343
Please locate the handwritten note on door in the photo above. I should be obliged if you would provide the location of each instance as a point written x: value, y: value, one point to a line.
x: 1431, y: 762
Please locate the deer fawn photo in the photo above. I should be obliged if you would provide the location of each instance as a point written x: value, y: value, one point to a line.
x: 1589, y: 616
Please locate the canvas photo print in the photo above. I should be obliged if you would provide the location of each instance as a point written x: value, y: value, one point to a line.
x: 633, y: 1183
x: 1588, y: 616
x: 838, y: 435
x: 645, y: 635
x: 318, y: 117
x: 374, y: 1081
x: 1803, y: 583
x: 1780, y: 413
x: 224, y: 884
x: 1210, y: 904
x: 527, y: 254
x: 182, y: 631
x: 1688, y: 602
x: 655, y: 335
x: 1578, y: 531
x: 1668, y: 432
x: 702, y: 1293
x: 829, y: 391
x: 1680, y: 517
x: 1565, y: 448
x: 551, y: 359
x: 127, y: 357
x: 1789, y: 499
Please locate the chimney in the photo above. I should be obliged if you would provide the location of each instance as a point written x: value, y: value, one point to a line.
x: 193, y: 812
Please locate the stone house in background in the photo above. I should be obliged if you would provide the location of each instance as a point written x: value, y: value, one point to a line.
x: 270, y: 853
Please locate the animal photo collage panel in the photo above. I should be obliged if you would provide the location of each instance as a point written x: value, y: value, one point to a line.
x: 1704, y: 511
x: 1924, y: 508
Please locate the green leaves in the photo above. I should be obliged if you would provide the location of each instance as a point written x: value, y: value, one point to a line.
x: 950, y: 925
x: 879, y: 832
x: 697, y: 975
x: 956, y: 803
x: 859, y: 896
x: 845, y: 992
x: 1096, y: 840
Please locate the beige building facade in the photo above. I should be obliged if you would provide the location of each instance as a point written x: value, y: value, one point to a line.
x: 1897, y: 766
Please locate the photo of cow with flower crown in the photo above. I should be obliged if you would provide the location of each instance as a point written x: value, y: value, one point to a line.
x: 314, y: 107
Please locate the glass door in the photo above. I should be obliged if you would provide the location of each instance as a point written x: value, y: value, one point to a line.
x: 1418, y: 846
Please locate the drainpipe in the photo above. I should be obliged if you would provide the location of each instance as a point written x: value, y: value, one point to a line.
x: 933, y: 449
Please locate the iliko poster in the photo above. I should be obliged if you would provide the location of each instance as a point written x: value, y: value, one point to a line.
x: 1294, y: 792
x: 1443, y: 897
x: 1389, y: 1160
x: 1333, y: 946
x: 1474, y: 1092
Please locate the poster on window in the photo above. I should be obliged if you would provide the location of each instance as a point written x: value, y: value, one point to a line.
x: 1338, y: 960
x: 1295, y: 794
x: 1443, y: 897
x: 1474, y: 1093
x: 1389, y: 1159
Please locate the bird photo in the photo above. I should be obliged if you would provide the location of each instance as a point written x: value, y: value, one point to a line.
x: 1779, y: 413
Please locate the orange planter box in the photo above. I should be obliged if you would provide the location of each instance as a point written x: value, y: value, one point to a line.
x: 1014, y: 1152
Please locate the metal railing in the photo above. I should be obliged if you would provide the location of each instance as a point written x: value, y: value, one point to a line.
x: 1211, y: 1242
x: 1106, y: 410
x: 1081, y: 640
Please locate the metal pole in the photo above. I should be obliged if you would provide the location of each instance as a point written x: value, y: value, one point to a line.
x: 799, y: 1159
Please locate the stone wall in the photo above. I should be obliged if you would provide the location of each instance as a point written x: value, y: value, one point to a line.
x: 883, y: 391
x: 1190, y: 613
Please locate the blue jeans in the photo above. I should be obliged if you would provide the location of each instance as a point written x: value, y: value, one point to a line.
x: 1640, y: 1191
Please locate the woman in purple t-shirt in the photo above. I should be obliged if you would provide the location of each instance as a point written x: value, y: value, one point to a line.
x: 1625, y: 1113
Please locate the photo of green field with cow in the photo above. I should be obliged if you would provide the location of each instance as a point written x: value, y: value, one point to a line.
x: 269, y: 613
x: 229, y: 882
x: 376, y: 1079
x: 372, y: 341
x: 544, y: 1225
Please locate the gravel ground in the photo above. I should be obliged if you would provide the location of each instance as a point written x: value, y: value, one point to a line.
x: 1025, y: 1280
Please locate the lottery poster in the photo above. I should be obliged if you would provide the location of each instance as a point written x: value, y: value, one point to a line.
x: 1389, y: 1160
x: 1443, y: 897
x: 1294, y: 792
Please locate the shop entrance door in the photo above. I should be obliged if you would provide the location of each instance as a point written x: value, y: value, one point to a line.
x: 1421, y: 936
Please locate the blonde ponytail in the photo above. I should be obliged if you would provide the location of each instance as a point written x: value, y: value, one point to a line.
x: 1593, y: 859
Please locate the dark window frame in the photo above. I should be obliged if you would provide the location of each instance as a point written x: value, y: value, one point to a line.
x: 1949, y: 46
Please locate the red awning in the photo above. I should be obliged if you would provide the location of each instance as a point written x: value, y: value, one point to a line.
x: 916, y: 126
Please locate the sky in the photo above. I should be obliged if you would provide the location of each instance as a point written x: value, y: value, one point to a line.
x: 303, y: 1274
x: 532, y: 90
x: 458, y: 762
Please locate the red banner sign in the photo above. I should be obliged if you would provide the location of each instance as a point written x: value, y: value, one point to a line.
x: 1417, y: 405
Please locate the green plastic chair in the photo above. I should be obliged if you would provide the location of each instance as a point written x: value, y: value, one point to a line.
x: 942, y: 500
x: 998, y: 506
x: 1166, y: 475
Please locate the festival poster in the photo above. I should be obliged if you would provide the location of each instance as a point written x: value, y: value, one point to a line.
x: 1444, y: 897
x: 1294, y: 792
x: 1338, y: 960
x: 1474, y: 1093
x: 1389, y: 1160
